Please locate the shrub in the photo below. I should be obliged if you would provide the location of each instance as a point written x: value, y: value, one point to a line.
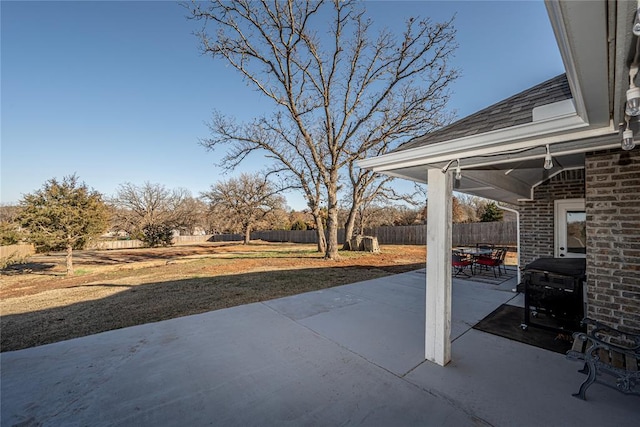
x: 157, y: 235
x: 491, y: 213
x: 299, y: 225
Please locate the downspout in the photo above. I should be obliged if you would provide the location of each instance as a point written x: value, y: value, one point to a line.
x: 517, y: 237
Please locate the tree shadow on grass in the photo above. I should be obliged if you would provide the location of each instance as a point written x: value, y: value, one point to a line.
x: 29, y: 268
x: 44, y: 263
x: 153, y: 302
x: 53, y: 263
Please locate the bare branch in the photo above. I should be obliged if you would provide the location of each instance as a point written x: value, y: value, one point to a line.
x: 340, y: 93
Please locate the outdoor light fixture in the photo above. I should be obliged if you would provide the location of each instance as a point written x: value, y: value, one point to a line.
x: 633, y: 94
x: 627, y: 138
x: 458, y: 174
x: 548, y: 162
x: 636, y: 22
x: 446, y: 168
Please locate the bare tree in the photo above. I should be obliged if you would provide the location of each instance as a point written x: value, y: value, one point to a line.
x: 337, y: 98
x: 458, y: 213
x: 219, y: 221
x: 246, y: 200
x: 190, y: 215
x: 152, y: 207
x: 9, y: 212
x: 10, y: 232
x: 276, y: 219
x: 472, y: 206
x: 369, y: 192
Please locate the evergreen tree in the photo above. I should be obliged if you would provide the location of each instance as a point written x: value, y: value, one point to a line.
x: 63, y: 215
x: 491, y: 213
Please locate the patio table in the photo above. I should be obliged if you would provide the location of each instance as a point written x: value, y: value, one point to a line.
x: 474, y: 251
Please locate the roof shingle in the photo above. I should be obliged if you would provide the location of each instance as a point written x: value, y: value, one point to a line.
x: 513, y: 111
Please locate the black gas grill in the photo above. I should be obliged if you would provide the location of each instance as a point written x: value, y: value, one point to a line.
x: 553, y: 294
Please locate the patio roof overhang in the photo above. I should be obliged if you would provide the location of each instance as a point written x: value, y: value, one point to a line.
x: 504, y: 165
x: 597, y: 46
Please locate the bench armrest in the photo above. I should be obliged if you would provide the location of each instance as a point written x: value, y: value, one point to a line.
x: 601, y: 335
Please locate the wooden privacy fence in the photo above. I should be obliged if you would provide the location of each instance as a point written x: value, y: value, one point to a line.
x: 16, y: 252
x: 498, y: 233
x: 134, y: 243
x: 293, y: 236
x: 115, y: 244
x: 185, y: 240
x: 226, y: 238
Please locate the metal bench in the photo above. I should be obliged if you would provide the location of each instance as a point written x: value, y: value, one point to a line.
x: 611, y: 357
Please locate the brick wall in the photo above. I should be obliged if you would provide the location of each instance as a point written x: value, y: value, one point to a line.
x: 613, y: 237
x: 537, y: 216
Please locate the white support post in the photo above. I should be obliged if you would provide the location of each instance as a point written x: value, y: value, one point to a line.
x: 438, y: 296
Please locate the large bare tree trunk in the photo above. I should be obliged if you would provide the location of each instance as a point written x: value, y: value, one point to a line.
x: 317, y: 218
x: 69, y: 260
x: 348, y: 228
x: 247, y: 235
x: 332, y: 222
x: 332, y: 240
x: 322, y: 240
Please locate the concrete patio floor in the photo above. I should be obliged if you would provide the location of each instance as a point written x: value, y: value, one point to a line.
x: 350, y: 355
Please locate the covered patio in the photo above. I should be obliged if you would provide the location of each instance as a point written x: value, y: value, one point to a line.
x: 561, y: 154
x: 350, y: 355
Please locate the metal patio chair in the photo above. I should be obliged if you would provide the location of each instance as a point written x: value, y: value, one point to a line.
x: 495, y: 260
x: 460, y: 262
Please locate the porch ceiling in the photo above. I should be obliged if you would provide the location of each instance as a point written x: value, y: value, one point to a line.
x: 511, y: 176
x: 508, y: 182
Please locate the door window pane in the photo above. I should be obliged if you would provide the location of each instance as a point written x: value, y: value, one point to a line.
x: 576, y: 232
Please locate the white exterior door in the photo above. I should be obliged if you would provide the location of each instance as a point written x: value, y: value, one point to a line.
x: 570, y: 229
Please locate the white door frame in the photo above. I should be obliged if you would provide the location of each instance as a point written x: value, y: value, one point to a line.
x: 561, y: 207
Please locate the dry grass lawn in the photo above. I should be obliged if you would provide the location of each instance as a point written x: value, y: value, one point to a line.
x: 120, y: 288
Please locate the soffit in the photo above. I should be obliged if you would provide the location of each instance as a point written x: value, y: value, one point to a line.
x: 511, y: 177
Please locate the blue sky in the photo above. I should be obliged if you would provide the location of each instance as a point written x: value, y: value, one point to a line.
x: 118, y: 91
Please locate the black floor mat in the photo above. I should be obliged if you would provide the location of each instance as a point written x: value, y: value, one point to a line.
x: 505, y: 322
x: 486, y: 276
